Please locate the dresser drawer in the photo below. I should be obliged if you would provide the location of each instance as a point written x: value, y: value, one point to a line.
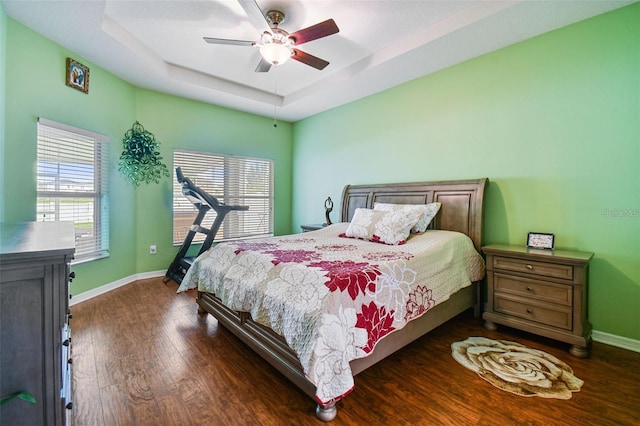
x: 546, y: 269
x: 555, y: 316
x: 533, y: 289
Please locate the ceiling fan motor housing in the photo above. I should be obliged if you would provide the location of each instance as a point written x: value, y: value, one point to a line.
x: 275, y: 18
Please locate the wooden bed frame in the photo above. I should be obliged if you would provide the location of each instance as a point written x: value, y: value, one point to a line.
x: 461, y: 210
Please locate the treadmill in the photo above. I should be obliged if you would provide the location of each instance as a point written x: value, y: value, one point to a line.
x: 203, y: 203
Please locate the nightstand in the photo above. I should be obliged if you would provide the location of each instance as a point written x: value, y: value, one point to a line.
x: 539, y: 291
x: 312, y: 227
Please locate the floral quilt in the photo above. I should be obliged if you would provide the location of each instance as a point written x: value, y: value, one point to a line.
x: 334, y: 298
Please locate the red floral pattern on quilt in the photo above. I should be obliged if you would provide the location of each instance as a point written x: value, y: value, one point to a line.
x: 420, y: 301
x: 376, y: 321
x: 298, y: 256
x: 348, y: 275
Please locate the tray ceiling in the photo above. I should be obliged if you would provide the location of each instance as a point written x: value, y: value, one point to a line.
x: 158, y: 45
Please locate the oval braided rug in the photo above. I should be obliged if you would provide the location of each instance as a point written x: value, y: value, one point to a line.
x: 515, y: 368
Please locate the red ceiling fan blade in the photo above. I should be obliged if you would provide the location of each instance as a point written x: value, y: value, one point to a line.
x: 308, y: 59
x: 213, y: 40
x: 315, y: 32
x: 263, y: 65
x: 255, y: 15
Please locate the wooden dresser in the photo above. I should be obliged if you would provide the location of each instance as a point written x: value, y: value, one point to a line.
x: 35, y: 339
x: 539, y: 291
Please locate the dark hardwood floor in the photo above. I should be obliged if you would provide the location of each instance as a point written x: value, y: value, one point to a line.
x: 143, y: 356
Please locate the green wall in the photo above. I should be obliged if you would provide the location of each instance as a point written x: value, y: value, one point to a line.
x: 3, y: 36
x: 553, y: 122
x: 181, y: 123
x: 35, y: 87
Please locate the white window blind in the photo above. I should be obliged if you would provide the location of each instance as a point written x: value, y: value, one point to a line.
x: 72, y: 167
x: 233, y: 181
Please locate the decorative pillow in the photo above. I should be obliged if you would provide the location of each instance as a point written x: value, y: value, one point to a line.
x: 388, y: 227
x: 427, y: 211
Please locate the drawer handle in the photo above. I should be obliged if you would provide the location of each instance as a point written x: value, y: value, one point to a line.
x: 529, y: 310
x: 529, y: 288
x: 529, y: 267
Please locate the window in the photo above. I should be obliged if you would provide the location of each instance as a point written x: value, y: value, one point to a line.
x: 233, y: 181
x: 72, y: 184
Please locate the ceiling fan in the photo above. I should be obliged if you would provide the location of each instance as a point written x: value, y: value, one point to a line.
x: 276, y: 45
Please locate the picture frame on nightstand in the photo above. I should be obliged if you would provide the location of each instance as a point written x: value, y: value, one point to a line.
x: 541, y: 240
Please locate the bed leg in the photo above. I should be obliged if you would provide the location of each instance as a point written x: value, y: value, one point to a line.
x: 326, y: 413
x: 201, y: 310
x: 489, y: 325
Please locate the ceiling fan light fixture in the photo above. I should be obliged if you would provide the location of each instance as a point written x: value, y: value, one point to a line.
x: 275, y: 54
x: 276, y: 47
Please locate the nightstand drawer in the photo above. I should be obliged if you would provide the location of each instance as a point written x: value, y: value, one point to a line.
x: 559, y: 316
x: 533, y: 289
x: 546, y: 269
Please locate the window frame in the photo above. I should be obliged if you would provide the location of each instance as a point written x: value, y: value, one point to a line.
x: 97, y: 192
x: 233, y: 179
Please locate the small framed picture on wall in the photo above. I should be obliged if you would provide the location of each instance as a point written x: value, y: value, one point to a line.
x: 540, y: 240
x: 77, y: 75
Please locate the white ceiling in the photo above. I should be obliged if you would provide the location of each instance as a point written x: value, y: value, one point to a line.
x: 158, y: 45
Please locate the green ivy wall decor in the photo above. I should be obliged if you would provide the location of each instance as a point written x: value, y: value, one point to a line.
x: 141, y: 161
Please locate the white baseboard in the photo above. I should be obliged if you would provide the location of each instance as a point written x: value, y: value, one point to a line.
x: 112, y: 286
x: 617, y: 341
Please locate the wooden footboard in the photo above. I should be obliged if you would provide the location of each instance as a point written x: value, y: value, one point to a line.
x: 275, y: 350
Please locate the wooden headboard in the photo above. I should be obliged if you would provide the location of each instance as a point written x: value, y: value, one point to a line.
x: 461, y: 210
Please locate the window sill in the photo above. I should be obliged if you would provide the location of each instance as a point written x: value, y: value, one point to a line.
x: 90, y: 258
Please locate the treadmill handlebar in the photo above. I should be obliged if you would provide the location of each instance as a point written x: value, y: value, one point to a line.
x: 192, y: 191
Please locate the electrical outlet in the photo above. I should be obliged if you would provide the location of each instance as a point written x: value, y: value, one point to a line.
x: 153, y: 249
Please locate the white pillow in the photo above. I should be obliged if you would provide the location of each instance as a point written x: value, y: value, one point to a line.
x: 427, y: 211
x: 388, y: 227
